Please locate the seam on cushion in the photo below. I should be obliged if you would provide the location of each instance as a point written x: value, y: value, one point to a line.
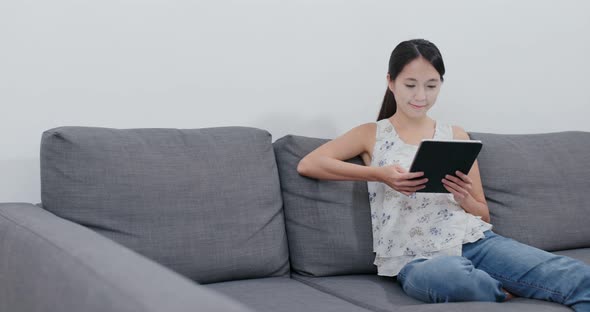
x: 282, y: 210
x: 76, y: 259
x: 350, y: 300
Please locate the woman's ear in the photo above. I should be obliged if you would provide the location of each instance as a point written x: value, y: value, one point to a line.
x: 390, y: 84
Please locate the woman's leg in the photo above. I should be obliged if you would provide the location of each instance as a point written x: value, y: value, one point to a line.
x: 531, y: 272
x: 448, y: 279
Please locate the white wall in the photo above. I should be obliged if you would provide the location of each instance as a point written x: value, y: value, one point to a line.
x: 314, y: 67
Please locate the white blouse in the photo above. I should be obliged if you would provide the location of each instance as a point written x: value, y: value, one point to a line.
x: 423, y: 225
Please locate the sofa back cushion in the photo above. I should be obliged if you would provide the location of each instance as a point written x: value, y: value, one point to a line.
x: 204, y: 202
x: 538, y: 187
x: 328, y: 222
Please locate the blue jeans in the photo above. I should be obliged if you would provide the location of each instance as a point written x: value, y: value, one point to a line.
x: 497, y: 262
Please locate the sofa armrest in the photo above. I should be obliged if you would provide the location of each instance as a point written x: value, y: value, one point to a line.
x: 51, y: 264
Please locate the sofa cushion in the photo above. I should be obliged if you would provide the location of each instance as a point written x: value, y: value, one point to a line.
x: 582, y: 254
x: 204, y: 202
x: 379, y: 293
x: 49, y: 264
x: 328, y: 222
x: 282, y: 294
x: 537, y: 187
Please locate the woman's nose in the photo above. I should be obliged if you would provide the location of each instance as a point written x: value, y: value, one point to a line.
x: 420, y: 94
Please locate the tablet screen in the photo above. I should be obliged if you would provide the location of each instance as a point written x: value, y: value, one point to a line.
x: 437, y: 158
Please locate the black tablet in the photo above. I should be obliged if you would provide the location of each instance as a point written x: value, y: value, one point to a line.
x: 437, y: 158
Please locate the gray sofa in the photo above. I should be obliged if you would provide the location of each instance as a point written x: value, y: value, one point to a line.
x: 218, y: 219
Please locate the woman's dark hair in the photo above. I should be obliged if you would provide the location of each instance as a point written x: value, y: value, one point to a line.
x: 404, y: 53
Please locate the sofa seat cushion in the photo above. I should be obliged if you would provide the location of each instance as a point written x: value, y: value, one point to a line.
x: 328, y: 222
x: 203, y: 202
x: 379, y: 293
x: 537, y: 187
x: 282, y: 294
x: 582, y: 254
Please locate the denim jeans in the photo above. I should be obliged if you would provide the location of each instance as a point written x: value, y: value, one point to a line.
x: 497, y: 262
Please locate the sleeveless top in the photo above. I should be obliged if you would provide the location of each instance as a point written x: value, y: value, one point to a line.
x: 423, y: 225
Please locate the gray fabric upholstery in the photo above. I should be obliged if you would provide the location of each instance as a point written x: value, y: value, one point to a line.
x: 207, y: 204
x: 328, y: 222
x: 371, y: 291
x: 514, y: 305
x: 50, y: 264
x: 378, y: 293
x: 204, y: 202
x: 283, y: 294
x: 582, y: 254
x: 537, y: 187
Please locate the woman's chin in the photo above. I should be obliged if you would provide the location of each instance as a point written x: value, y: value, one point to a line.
x: 416, y: 114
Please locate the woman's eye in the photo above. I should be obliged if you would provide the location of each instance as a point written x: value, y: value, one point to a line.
x: 432, y: 87
x: 410, y: 86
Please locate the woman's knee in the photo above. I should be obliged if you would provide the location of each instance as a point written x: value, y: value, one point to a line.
x: 435, y: 274
x: 448, y: 278
x: 439, y: 269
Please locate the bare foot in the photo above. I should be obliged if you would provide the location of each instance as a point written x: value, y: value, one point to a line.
x: 508, y: 295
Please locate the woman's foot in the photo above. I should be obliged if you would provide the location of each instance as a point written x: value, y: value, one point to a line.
x: 508, y: 295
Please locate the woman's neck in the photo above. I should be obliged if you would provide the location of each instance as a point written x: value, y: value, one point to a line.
x: 402, y: 121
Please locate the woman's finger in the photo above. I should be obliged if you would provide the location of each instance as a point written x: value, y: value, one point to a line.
x: 407, y: 183
x: 409, y: 190
x: 458, y: 181
x: 456, y: 187
x: 464, y: 177
x: 454, y: 179
x: 414, y: 189
x: 402, y: 189
x: 411, y: 175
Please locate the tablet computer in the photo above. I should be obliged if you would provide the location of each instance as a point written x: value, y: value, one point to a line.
x: 437, y: 158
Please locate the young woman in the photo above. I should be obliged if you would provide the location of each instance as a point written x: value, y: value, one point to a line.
x: 440, y: 246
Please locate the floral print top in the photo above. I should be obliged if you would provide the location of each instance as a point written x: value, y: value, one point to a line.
x: 423, y: 225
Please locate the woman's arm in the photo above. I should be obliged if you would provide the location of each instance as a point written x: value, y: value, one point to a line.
x: 468, y: 190
x: 328, y: 161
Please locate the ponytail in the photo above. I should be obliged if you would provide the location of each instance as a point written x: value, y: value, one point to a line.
x: 388, y: 107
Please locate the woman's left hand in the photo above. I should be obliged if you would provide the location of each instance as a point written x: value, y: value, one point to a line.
x: 460, y: 188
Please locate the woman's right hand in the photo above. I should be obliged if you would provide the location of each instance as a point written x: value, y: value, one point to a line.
x: 400, y: 179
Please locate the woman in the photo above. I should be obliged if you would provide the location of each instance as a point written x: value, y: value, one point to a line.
x: 440, y: 246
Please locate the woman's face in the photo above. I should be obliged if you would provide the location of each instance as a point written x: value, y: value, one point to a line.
x: 415, y: 89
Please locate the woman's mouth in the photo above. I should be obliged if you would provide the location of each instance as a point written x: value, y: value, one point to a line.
x: 417, y: 106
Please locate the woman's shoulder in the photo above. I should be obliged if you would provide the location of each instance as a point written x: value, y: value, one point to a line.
x: 367, y: 129
x: 459, y: 133
x: 360, y: 134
